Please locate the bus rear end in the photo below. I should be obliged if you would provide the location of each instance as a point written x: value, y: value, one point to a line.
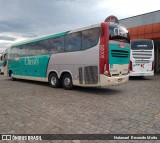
x: 142, y: 58
x: 114, y: 54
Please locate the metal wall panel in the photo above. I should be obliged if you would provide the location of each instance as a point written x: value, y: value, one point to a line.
x: 144, y: 19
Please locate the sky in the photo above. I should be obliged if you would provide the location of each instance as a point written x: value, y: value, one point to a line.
x: 25, y: 19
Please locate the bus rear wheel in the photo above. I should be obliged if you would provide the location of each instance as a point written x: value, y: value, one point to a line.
x: 54, y: 80
x: 67, y: 82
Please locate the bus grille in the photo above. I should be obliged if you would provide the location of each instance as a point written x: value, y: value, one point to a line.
x: 80, y: 76
x: 91, y: 74
x: 141, y: 56
x: 119, y: 53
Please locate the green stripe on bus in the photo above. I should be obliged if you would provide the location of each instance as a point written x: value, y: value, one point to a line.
x: 35, y: 66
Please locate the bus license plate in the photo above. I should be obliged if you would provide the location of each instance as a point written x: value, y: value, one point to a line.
x: 120, y: 79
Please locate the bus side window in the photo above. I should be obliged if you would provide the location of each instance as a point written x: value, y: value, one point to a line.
x: 14, y: 52
x: 30, y: 49
x: 90, y: 38
x: 43, y: 47
x: 57, y: 44
x: 73, y: 42
x: 20, y: 51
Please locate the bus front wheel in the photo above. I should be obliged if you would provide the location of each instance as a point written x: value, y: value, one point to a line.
x: 67, y: 82
x: 11, y: 76
x: 54, y: 80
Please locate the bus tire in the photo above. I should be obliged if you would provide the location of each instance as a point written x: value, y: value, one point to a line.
x: 11, y: 76
x: 54, y: 81
x: 67, y: 82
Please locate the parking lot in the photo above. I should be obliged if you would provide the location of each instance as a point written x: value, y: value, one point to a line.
x: 34, y: 107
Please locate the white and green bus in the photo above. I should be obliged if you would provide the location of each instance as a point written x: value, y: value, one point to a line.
x: 3, y: 62
x: 93, y: 56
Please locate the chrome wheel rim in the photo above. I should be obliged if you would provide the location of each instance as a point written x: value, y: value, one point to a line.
x: 67, y: 81
x: 53, y: 80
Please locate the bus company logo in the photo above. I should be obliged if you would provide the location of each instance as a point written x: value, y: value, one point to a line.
x: 16, y: 59
x: 142, y: 65
x: 30, y: 62
x: 121, y: 46
x: 141, y: 45
x: 102, y: 51
x: 119, y: 32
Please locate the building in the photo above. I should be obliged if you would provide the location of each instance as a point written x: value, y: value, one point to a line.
x: 146, y: 26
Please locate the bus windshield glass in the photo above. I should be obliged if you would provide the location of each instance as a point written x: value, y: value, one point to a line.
x: 1, y: 63
x: 142, y: 45
x: 118, y: 32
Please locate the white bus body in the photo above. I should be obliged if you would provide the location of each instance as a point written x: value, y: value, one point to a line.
x: 142, y: 58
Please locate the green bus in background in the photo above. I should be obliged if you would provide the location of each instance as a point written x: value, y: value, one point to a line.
x: 93, y: 56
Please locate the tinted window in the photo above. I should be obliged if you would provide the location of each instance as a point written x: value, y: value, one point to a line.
x: 73, y: 42
x: 20, y: 51
x: 90, y: 38
x: 117, y: 32
x: 1, y: 63
x: 14, y: 52
x: 32, y: 49
x: 57, y: 44
x: 37, y: 48
x: 142, y: 44
x: 43, y: 46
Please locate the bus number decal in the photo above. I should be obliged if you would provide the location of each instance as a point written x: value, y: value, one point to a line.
x: 102, y: 51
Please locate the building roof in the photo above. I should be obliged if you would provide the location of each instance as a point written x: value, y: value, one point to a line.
x: 143, y: 19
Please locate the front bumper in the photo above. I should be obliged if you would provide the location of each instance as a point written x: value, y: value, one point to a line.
x: 151, y: 73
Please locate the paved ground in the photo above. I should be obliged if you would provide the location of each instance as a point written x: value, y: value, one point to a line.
x: 34, y: 107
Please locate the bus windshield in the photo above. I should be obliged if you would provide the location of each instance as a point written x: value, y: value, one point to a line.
x: 118, y: 32
x: 1, y: 63
x: 1, y: 60
x: 142, y: 45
